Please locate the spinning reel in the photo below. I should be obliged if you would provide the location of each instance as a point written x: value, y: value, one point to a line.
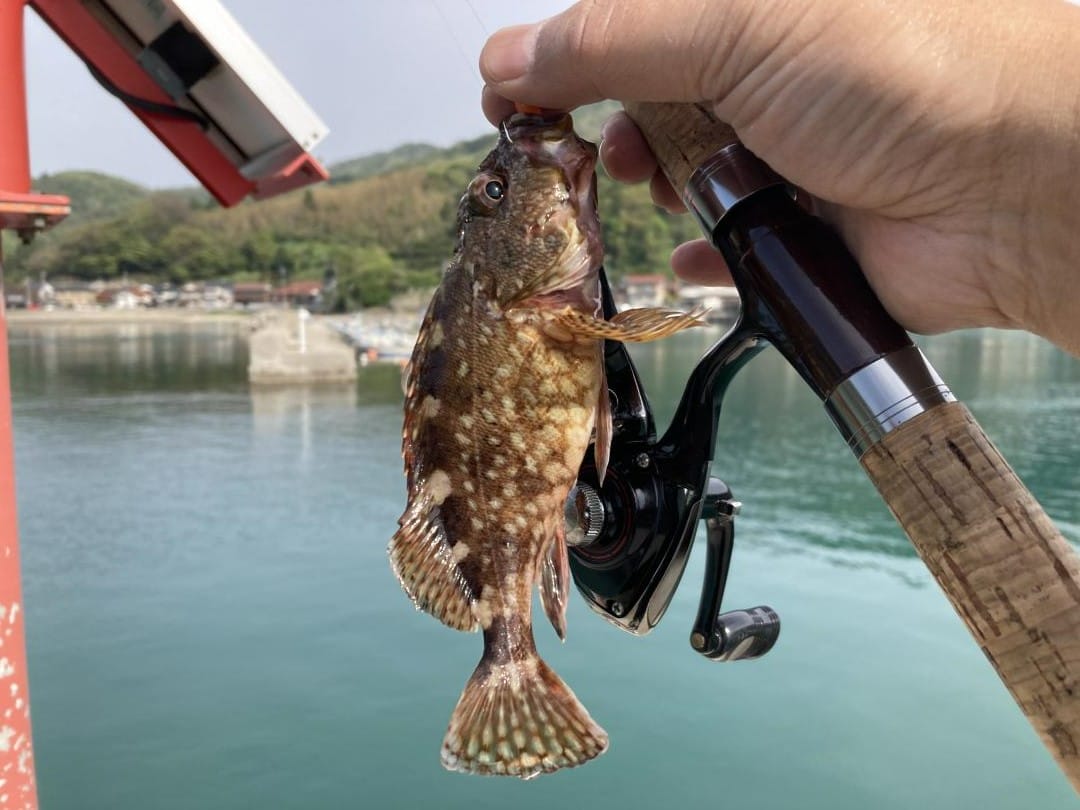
x: 630, y: 539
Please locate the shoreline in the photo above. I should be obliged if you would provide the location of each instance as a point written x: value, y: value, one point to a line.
x: 123, y: 317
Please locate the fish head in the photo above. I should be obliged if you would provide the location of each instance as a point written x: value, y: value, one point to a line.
x: 528, y: 220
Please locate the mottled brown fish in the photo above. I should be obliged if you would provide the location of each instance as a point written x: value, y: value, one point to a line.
x: 503, y: 394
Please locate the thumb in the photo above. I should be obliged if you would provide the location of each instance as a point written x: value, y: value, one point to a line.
x: 631, y: 50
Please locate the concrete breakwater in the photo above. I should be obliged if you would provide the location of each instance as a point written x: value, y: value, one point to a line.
x: 293, y: 347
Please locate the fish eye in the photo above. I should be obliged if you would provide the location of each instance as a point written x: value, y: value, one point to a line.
x: 486, y: 193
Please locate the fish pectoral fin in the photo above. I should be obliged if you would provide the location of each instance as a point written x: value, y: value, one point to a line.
x: 554, y: 581
x: 629, y: 326
x: 426, y: 564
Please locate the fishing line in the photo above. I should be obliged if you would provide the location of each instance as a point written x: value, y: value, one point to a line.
x: 469, y: 60
x: 476, y: 16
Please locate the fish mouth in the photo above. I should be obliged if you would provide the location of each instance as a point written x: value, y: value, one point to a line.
x: 550, y: 139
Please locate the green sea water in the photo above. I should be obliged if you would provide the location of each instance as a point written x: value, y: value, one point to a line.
x: 212, y: 622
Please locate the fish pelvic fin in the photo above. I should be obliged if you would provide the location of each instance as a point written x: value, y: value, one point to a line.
x: 628, y: 326
x: 519, y: 719
x: 554, y: 580
x: 425, y: 564
x: 605, y: 429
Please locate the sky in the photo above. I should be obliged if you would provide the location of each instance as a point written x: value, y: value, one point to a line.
x: 379, y: 73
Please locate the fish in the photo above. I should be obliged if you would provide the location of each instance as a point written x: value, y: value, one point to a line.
x: 504, y: 392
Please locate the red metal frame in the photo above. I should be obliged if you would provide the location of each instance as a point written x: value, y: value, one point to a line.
x: 27, y: 213
x: 84, y: 34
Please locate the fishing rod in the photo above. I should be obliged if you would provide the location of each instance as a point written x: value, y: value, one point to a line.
x: 1006, y: 569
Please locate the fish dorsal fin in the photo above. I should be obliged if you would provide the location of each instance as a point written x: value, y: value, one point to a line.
x: 554, y: 580
x: 628, y: 326
x: 424, y: 561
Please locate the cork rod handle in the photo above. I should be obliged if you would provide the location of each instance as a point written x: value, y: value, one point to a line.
x: 1006, y: 569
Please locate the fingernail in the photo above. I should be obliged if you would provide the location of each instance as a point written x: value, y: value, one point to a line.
x: 508, y: 54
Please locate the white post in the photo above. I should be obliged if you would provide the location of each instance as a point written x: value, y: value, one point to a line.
x: 302, y: 316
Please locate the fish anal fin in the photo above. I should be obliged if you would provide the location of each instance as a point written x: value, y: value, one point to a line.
x: 519, y: 719
x: 628, y: 326
x: 554, y: 581
x: 426, y: 567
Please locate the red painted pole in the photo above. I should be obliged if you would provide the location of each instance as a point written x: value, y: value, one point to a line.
x: 14, y: 138
x: 17, y: 784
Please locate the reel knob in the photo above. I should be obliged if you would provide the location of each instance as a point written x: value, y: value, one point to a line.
x: 739, y: 635
x: 584, y: 515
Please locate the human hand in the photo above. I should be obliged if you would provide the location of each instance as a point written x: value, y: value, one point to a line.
x: 941, y: 139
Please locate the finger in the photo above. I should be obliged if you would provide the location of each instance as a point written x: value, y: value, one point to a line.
x: 604, y: 49
x: 624, y: 49
x: 698, y: 262
x: 664, y: 195
x: 624, y: 152
x: 496, y: 108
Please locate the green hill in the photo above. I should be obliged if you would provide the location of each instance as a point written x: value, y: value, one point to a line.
x: 385, y: 225
x: 93, y: 195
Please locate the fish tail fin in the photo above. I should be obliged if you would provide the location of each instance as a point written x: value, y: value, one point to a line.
x: 519, y: 719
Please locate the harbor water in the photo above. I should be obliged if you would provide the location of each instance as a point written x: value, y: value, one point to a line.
x: 212, y: 622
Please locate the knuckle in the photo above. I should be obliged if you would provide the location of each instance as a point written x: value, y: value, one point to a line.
x: 591, y: 34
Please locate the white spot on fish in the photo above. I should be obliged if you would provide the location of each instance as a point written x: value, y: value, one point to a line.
x: 6, y: 668
x: 438, y: 486
x: 477, y: 523
x: 460, y: 552
x: 549, y: 434
x: 461, y: 438
x: 14, y: 612
x: 466, y: 421
x: 469, y: 486
x: 6, y: 733
x: 520, y: 522
x: 435, y: 337
x: 554, y: 472
x: 488, y: 415
x: 463, y: 369
x: 517, y: 440
x: 482, y: 608
x: 430, y: 407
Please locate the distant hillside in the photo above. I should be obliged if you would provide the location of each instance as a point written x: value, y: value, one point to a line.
x: 387, y: 224
x: 93, y: 195
x: 361, y: 167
